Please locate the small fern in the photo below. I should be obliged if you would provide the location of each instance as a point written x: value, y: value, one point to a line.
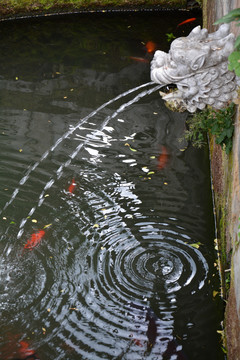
x: 218, y: 123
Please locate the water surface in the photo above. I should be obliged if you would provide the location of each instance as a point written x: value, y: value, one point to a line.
x: 125, y: 269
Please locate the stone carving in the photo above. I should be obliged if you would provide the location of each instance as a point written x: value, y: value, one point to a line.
x: 198, y: 65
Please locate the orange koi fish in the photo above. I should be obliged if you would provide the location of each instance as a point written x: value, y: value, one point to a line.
x: 187, y: 21
x: 163, y: 158
x: 150, y: 46
x: 139, y: 59
x: 72, y: 186
x: 34, y: 240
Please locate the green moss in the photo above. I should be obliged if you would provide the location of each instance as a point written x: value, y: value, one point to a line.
x: 16, y: 7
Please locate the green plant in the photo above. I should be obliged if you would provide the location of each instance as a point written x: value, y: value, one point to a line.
x: 234, y: 57
x: 170, y: 37
x: 218, y: 123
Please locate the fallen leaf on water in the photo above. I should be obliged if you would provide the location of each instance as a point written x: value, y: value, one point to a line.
x: 215, y: 293
x: 165, y: 183
x: 46, y: 226
x: 153, y: 157
x: 34, y: 220
x: 195, y: 245
x: 20, y: 150
x: 151, y: 172
x: 132, y: 149
x: 96, y: 226
x: 48, y: 310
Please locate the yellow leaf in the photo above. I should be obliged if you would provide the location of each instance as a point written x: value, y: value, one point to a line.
x: 20, y: 150
x: 46, y: 226
x: 195, y: 245
x: 48, y: 310
x: 43, y: 329
x: 215, y: 293
x: 34, y: 220
x: 96, y: 226
x: 165, y: 183
x: 132, y: 149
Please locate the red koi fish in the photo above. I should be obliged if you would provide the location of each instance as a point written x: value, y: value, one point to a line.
x: 187, y: 21
x: 16, y: 349
x: 24, y: 350
x: 139, y: 59
x: 34, y: 240
x: 137, y: 342
x: 72, y: 186
x: 150, y: 46
x: 163, y: 158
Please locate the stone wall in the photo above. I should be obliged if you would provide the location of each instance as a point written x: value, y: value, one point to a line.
x: 226, y: 175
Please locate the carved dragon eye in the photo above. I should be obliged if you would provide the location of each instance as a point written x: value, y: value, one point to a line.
x: 197, y: 62
x: 183, y: 87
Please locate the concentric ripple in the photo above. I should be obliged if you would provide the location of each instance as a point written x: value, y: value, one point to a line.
x: 109, y: 278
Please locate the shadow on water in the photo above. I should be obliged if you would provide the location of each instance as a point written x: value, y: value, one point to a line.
x: 107, y: 227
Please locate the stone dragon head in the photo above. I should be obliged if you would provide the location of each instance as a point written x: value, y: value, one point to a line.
x: 198, y: 65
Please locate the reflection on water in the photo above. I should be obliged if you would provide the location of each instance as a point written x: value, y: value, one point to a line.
x: 123, y: 265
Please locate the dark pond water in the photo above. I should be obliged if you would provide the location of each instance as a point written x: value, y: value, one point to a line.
x: 107, y: 226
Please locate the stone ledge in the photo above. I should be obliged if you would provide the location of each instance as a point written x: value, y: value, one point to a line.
x: 21, y: 8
